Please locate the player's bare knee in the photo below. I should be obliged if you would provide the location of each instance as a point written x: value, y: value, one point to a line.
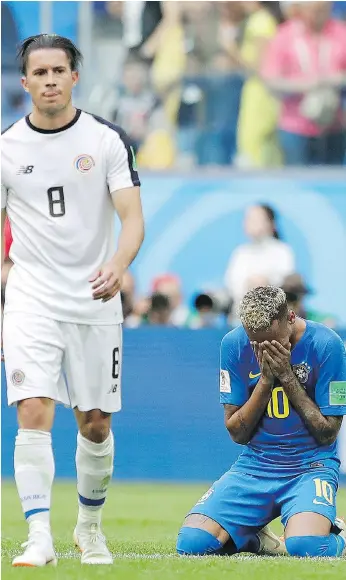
x: 200, y: 536
x: 205, y: 523
x: 95, y: 425
x: 36, y: 413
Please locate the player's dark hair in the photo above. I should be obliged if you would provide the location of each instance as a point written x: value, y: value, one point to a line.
x: 272, y: 217
x: 39, y: 41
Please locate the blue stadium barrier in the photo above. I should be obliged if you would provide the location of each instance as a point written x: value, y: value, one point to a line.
x: 171, y: 426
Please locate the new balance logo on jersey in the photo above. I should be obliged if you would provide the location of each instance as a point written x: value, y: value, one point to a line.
x: 25, y: 169
x: 113, y: 389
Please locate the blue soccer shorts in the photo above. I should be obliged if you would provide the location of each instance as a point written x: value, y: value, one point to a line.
x: 243, y: 504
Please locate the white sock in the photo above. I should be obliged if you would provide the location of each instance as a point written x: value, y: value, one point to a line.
x: 94, y: 462
x: 34, y: 474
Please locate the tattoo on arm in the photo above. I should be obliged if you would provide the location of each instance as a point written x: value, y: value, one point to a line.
x: 242, y: 422
x: 323, y: 429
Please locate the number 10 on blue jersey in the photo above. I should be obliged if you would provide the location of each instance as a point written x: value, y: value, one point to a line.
x: 278, y: 405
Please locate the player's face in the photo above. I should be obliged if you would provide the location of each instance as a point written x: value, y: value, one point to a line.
x: 280, y: 330
x: 49, y: 80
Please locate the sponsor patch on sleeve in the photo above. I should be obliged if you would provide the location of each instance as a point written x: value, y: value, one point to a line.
x: 225, y: 382
x: 337, y: 393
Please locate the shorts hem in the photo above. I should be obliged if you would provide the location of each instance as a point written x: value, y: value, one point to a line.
x: 92, y: 408
x: 68, y: 405
x: 13, y: 401
x: 285, y: 521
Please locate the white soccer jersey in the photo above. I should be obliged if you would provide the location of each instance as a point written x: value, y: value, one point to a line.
x: 56, y: 188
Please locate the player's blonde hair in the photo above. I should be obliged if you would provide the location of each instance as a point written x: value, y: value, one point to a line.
x: 261, y: 306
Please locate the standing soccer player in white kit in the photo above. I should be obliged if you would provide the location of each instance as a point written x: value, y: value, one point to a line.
x: 64, y: 172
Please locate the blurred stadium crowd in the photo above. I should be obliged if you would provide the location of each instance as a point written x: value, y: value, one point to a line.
x: 248, y: 84
x: 241, y: 83
x: 244, y: 84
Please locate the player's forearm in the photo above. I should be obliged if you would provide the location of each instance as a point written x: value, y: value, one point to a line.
x: 130, y: 240
x: 323, y: 429
x: 242, y: 425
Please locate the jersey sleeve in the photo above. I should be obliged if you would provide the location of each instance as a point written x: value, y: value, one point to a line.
x: 3, y: 196
x: 121, y: 163
x: 330, y: 390
x: 233, y: 390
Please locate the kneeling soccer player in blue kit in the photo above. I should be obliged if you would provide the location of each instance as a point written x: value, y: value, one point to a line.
x: 283, y: 387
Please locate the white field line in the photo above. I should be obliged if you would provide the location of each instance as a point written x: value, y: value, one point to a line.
x: 74, y: 555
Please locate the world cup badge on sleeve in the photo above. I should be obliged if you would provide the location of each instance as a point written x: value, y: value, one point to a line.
x: 225, y: 382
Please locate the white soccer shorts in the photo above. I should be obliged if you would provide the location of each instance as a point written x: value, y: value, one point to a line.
x: 78, y: 365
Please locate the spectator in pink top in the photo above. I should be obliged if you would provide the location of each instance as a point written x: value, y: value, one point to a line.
x: 305, y: 66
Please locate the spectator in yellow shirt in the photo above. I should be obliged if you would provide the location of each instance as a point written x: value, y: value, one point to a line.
x: 256, y: 139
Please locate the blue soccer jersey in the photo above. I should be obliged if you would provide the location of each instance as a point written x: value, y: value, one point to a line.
x: 282, y: 445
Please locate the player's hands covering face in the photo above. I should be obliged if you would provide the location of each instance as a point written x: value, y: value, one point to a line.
x: 263, y: 362
x: 278, y: 357
x: 106, y: 281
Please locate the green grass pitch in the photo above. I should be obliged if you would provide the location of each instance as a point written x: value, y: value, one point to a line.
x: 141, y: 523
